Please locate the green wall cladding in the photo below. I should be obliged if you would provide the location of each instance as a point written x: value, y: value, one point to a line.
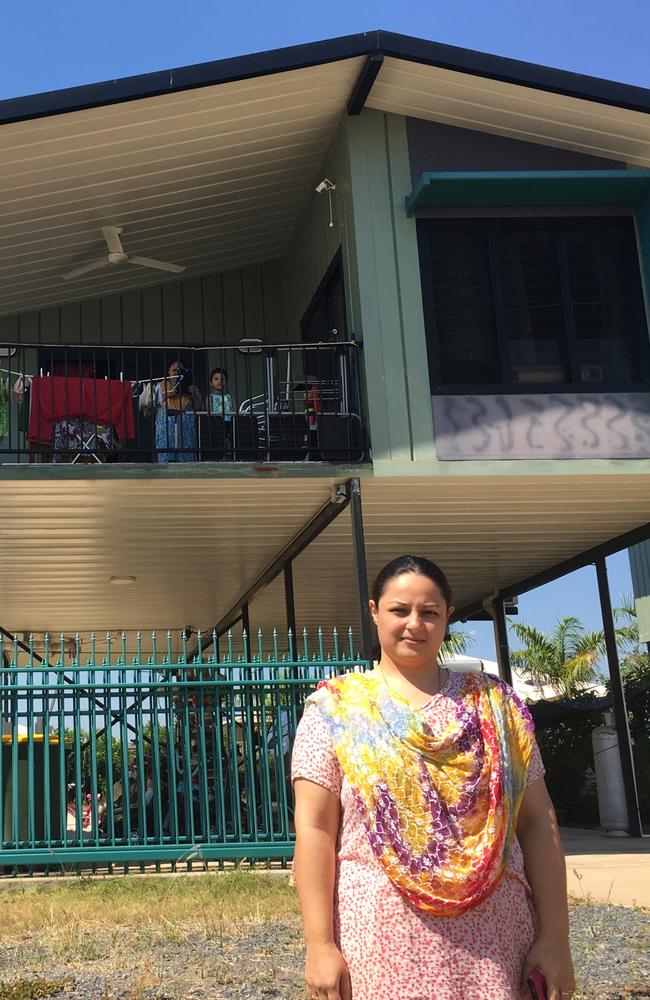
x: 390, y: 297
x: 640, y: 567
x: 315, y: 243
x: 217, y: 308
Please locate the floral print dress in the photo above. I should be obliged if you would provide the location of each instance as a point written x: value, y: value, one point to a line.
x: 394, y: 951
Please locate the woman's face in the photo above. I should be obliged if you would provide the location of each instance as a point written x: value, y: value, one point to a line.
x: 411, y: 619
x: 175, y: 368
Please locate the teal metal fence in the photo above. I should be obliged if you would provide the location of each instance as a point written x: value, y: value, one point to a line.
x: 121, y: 750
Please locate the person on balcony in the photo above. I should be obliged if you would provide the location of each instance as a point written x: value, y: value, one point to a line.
x: 428, y: 860
x: 177, y: 401
x: 219, y: 399
x: 220, y: 403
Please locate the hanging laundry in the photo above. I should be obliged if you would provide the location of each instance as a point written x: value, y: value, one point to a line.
x: 21, y: 393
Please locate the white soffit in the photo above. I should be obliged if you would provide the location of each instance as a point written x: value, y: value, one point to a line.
x: 212, y: 178
x: 194, y: 547
x: 472, y: 102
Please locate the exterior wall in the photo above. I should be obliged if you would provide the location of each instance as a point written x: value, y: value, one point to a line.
x: 390, y: 299
x: 559, y: 426
x: 315, y: 244
x: 383, y: 166
x: 433, y: 146
x: 219, y: 308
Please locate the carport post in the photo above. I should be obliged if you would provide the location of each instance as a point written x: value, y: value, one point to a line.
x: 289, y: 599
x: 361, y: 569
x: 618, y: 698
x: 501, y: 639
x: 246, y: 627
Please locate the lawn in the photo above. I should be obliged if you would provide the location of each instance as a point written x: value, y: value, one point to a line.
x: 225, y: 936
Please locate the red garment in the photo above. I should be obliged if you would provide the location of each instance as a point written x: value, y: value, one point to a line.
x: 312, y: 405
x: 102, y: 401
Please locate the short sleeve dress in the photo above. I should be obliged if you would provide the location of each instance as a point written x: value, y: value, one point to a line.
x: 394, y: 951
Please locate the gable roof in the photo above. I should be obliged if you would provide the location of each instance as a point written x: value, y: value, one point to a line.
x: 210, y: 166
x: 296, y: 57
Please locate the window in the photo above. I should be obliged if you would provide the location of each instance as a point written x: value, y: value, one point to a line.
x: 533, y: 303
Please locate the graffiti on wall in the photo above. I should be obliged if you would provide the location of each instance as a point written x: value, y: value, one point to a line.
x: 552, y: 425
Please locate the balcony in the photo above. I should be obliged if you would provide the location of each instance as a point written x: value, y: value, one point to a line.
x: 250, y: 402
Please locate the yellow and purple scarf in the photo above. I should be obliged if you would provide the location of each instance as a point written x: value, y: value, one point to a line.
x: 440, y: 810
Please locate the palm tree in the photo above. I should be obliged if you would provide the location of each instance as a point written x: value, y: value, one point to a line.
x: 564, y: 658
x: 633, y: 659
x: 455, y: 644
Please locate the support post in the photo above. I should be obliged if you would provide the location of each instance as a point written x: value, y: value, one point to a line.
x: 618, y: 699
x: 289, y: 599
x: 246, y: 627
x: 501, y: 639
x: 360, y: 567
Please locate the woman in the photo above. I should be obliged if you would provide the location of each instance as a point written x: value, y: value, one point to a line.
x: 176, y: 406
x: 428, y: 861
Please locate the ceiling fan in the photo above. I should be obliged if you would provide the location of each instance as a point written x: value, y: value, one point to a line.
x: 117, y: 255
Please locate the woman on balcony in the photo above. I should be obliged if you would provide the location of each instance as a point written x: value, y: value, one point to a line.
x: 428, y: 861
x: 177, y: 401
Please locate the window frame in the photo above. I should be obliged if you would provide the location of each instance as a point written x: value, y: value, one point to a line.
x: 494, y: 224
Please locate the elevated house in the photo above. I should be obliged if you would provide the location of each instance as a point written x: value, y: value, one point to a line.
x: 425, y: 272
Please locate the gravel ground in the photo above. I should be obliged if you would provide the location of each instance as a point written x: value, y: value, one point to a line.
x: 257, y: 961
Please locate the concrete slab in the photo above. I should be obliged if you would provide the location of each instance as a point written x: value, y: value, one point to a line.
x: 607, y: 869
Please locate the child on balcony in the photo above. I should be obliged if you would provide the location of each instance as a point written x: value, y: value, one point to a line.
x: 219, y: 399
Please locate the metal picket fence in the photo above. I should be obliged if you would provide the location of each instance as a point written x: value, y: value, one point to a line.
x: 126, y: 751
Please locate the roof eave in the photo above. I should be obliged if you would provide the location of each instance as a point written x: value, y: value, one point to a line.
x: 296, y: 57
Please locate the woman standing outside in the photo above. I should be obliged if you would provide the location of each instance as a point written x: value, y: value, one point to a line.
x: 428, y: 860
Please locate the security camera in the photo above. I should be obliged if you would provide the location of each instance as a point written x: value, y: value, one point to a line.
x: 325, y: 185
x: 338, y: 494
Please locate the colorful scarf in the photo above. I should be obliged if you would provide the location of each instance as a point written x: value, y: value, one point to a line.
x: 440, y: 811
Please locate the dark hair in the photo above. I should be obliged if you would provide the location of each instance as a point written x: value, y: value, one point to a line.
x: 219, y: 371
x: 412, y: 564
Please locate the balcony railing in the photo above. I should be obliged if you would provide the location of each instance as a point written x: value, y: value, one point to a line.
x: 249, y: 402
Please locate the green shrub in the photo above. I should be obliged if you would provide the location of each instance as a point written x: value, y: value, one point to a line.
x: 568, y: 758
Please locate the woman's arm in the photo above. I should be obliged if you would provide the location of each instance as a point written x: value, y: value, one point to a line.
x: 317, y: 819
x: 546, y: 871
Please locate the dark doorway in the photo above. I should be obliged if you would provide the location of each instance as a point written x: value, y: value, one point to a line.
x: 324, y: 319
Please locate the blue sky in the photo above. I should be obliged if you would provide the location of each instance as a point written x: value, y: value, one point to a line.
x: 576, y: 594
x: 48, y: 46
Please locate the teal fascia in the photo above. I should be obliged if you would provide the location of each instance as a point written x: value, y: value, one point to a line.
x: 529, y: 187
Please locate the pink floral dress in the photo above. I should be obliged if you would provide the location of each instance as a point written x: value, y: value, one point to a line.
x: 393, y: 951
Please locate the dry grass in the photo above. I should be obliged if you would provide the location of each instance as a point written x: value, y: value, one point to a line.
x: 153, y: 906
x: 138, y: 938
x: 33, y: 989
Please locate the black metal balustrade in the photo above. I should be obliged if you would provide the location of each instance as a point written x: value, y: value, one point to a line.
x: 247, y: 402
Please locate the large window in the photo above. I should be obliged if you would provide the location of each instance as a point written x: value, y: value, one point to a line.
x: 546, y: 303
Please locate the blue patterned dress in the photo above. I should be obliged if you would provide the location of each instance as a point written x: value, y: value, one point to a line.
x: 176, y: 430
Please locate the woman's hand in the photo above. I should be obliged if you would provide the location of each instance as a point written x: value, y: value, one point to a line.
x: 326, y: 973
x: 553, y: 959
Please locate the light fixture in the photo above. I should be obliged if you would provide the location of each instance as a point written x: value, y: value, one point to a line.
x: 121, y: 581
x: 327, y: 185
